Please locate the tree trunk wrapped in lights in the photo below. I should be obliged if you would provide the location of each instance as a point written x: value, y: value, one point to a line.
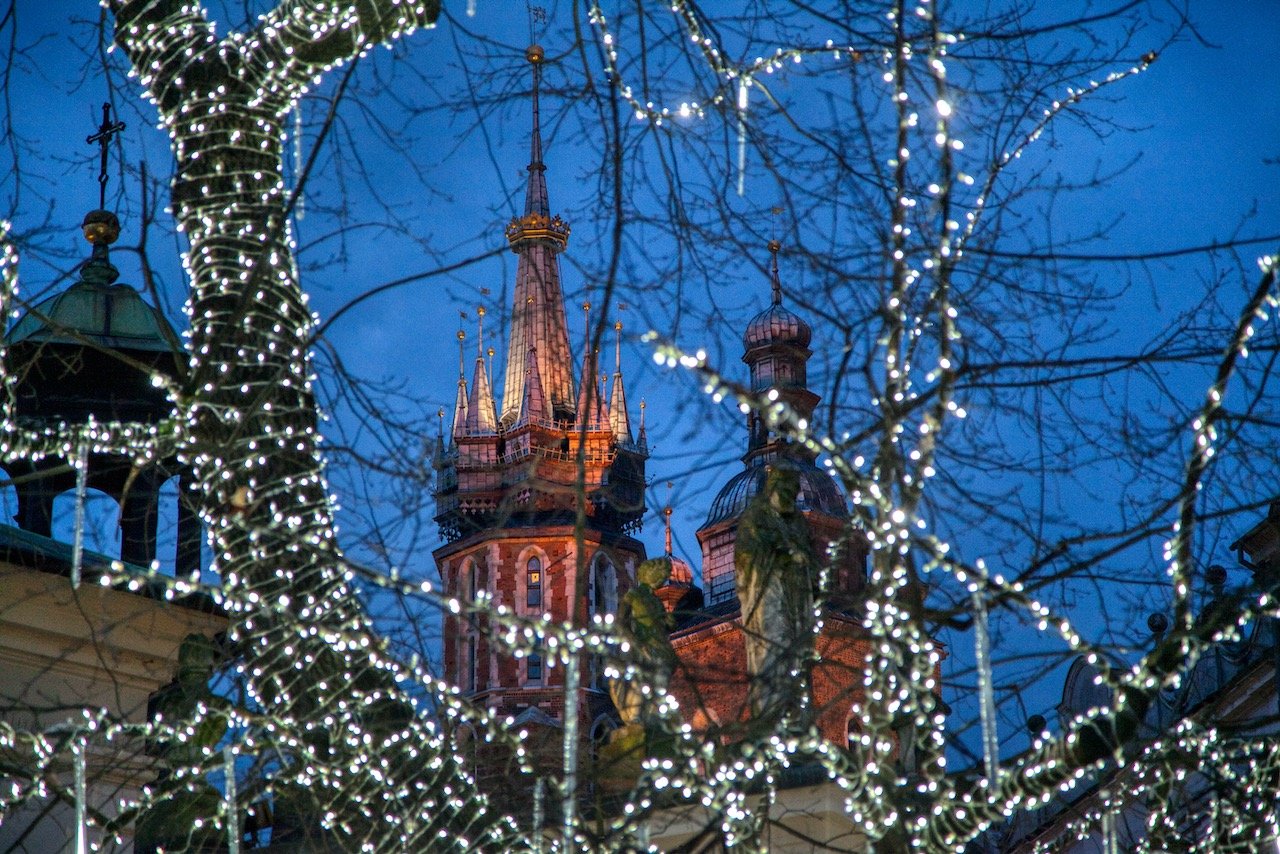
x: 340, y: 748
x: 310, y: 662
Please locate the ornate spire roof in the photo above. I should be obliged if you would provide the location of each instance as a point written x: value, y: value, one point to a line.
x: 538, y: 319
x: 619, y: 421
x: 533, y: 408
x: 591, y: 411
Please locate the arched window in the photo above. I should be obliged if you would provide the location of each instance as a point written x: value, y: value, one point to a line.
x: 468, y: 628
x: 602, y: 599
x: 533, y: 583
x: 471, y: 664
x: 533, y: 665
x: 604, y: 587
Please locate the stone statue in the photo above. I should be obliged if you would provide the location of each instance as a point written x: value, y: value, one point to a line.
x: 644, y: 624
x: 775, y: 575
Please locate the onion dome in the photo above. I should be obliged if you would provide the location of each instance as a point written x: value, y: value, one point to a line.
x: 776, y: 324
x: 818, y: 491
x: 681, y: 572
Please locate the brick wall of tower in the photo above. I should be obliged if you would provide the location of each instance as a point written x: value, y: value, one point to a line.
x: 847, y: 576
x: 500, y: 562
x: 711, y: 678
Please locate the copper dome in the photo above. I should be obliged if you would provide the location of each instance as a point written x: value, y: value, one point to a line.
x: 818, y: 491
x: 777, y: 325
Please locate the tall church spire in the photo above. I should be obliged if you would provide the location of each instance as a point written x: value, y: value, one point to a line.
x: 537, y: 318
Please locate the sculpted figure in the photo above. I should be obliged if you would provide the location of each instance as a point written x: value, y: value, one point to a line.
x: 644, y: 623
x: 775, y: 572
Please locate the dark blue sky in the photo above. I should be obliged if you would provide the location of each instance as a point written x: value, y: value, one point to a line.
x: 1202, y: 151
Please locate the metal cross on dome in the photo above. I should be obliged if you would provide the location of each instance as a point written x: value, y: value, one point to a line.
x: 106, y: 130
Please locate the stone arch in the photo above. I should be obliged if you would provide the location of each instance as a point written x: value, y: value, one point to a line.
x: 8, y: 499
x: 179, y: 537
x: 102, y: 532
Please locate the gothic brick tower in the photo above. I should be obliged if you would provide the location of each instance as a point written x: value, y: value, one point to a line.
x: 537, y: 502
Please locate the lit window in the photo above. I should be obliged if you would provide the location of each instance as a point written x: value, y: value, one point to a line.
x: 533, y: 583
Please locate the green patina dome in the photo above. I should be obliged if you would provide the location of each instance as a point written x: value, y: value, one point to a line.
x: 109, y: 315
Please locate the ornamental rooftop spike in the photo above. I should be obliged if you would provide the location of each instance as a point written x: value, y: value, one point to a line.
x: 774, y: 247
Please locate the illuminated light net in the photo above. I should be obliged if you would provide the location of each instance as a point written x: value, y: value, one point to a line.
x: 343, y: 720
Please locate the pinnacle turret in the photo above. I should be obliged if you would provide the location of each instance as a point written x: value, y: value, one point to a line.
x: 619, y: 420
x: 460, y: 403
x: 533, y: 408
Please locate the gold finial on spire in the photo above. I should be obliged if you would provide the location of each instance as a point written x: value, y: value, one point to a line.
x: 462, y: 359
x: 774, y: 248
x: 537, y: 223
x: 617, y: 347
x: 480, y: 332
x: 666, y: 518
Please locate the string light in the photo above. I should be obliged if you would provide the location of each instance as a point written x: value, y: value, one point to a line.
x: 317, y: 677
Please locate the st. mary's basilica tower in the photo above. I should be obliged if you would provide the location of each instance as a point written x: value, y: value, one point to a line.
x: 537, y: 500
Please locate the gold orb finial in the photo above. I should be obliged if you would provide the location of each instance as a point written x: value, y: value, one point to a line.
x: 462, y: 336
x: 774, y: 246
x: 534, y: 53
x: 100, y: 227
